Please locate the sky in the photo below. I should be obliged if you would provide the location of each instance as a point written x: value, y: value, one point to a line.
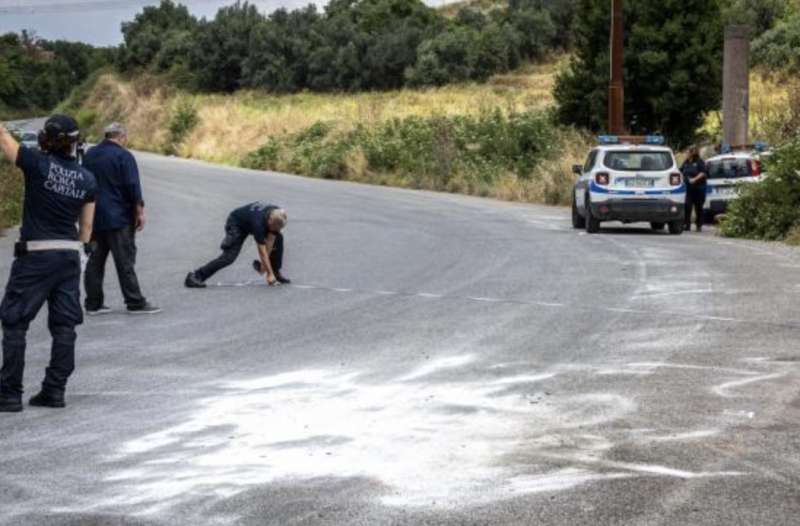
x: 98, y: 21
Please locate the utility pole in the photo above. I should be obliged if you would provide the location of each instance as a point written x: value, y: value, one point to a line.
x: 616, y: 90
x: 736, y: 86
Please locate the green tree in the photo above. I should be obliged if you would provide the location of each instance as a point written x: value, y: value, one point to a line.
x: 761, y: 15
x: 672, y: 67
x: 779, y: 48
x: 150, y: 30
x: 222, y: 45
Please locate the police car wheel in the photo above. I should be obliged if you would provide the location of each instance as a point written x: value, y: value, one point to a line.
x: 676, y: 228
x: 578, y: 221
x: 592, y: 224
x: 657, y: 226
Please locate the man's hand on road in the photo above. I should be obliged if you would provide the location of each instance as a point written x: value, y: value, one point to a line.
x: 272, y: 281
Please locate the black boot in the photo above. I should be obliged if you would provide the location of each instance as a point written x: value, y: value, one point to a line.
x: 47, y: 400
x: 10, y: 405
x: 193, y: 282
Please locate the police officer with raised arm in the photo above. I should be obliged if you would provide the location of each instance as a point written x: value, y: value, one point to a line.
x: 59, y: 194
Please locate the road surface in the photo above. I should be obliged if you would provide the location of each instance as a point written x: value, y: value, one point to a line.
x: 440, y: 360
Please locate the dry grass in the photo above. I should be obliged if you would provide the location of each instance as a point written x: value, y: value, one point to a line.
x: 233, y: 125
x: 774, y: 110
x: 11, y: 185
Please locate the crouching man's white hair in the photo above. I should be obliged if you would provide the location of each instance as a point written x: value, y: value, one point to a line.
x: 280, y: 217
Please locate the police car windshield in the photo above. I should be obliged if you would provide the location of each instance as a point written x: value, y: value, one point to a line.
x: 732, y: 168
x: 28, y: 137
x: 638, y: 161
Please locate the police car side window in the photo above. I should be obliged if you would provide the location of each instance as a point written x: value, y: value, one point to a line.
x: 590, y: 162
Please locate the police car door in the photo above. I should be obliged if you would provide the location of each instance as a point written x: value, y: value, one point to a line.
x: 583, y: 183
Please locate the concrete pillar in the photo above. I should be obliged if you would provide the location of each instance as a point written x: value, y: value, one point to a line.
x: 736, y: 86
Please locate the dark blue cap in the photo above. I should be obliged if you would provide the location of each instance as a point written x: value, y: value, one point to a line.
x: 61, y: 126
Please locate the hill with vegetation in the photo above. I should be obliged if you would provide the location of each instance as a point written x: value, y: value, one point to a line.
x: 485, y: 97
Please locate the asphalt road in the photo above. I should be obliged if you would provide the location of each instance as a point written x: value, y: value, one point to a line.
x: 440, y: 360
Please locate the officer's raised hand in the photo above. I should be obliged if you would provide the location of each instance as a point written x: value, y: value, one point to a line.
x: 8, y: 145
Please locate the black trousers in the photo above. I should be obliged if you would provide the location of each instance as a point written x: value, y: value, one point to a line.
x: 695, y: 199
x: 122, y: 246
x: 37, y: 277
x: 231, y: 247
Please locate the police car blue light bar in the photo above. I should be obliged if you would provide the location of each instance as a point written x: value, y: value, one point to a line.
x: 608, y: 139
x: 759, y: 147
x: 650, y: 140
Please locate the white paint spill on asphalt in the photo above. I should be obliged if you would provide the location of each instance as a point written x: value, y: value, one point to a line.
x: 438, y: 365
x: 428, y: 442
x: 466, y: 438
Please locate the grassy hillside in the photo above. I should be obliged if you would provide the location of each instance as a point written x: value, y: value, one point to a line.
x: 364, y: 137
x: 492, y: 139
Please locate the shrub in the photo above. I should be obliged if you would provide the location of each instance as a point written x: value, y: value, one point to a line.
x: 11, y: 186
x: 769, y: 210
x: 467, y: 154
x: 181, y: 123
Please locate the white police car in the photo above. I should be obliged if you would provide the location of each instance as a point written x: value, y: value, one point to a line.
x: 629, y: 179
x: 729, y: 170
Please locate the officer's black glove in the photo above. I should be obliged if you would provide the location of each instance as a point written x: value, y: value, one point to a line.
x: 88, y: 249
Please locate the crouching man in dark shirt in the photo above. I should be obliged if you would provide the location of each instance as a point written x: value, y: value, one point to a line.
x: 262, y: 221
x: 47, y: 268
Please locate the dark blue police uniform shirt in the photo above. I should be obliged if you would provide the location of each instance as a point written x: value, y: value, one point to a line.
x: 56, y: 189
x: 252, y: 219
x: 119, y: 188
x: 691, y: 169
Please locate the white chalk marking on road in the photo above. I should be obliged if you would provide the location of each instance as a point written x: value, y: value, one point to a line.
x: 655, y: 469
x: 533, y: 303
x: 672, y: 293
x: 440, y: 364
x: 683, y: 437
x: 667, y: 365
x: 548, y: 304
x: 486, y: 300
x: 748, y: 415
x: 524, y: 379
x: 723, y: 389
x: 306, y: 287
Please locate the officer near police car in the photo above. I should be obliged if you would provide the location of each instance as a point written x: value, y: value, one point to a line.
x: 59, y: 194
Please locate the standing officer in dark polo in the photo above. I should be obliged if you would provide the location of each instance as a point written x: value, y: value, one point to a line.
x: 262, y: 221
x: 119, y: 215
x: 47, y: 267
x: 695, y: 176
